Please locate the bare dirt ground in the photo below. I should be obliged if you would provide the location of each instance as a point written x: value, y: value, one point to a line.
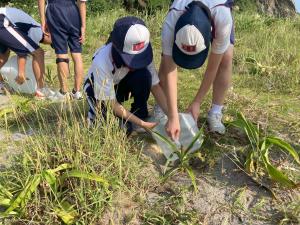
x: 226, y: 195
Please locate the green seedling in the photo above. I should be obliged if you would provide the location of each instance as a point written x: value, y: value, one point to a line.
x: 184, y: 156
x: 255, y: 157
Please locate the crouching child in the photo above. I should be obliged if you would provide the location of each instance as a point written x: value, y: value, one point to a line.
x: 21, y: 34
x: 121, y: 69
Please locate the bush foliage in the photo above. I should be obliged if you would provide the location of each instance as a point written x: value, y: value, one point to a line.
x: 98, y: 6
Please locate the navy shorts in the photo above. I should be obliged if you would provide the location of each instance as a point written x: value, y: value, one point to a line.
x: 15, y: 39
x: 64, y: 23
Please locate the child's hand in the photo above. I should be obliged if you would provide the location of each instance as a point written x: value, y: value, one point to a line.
x: 20, y: 79
x: 149, y: 125
x: 82, y: 38
x: 45, y: 29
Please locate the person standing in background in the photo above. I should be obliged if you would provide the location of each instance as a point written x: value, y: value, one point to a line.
x: 65, y: 21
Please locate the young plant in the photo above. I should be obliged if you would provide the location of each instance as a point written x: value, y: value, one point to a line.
x: 184, y: 156
x: 257, y: 152
x: 55, y: 179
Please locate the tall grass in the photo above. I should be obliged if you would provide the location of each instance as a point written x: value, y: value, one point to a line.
x: 62, y: 137
x: 267, y: 53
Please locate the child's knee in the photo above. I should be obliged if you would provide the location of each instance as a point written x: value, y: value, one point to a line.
x: 38, y: 53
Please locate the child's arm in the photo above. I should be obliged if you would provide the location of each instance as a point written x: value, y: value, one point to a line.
x: 160, y: 97
x: 41, y: 4
x: 82, y: 11
x: 121, y: 112
x: 20, y: 79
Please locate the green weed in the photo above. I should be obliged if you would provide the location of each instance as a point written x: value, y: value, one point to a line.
x: 257, y: 160
x: 184, y: 157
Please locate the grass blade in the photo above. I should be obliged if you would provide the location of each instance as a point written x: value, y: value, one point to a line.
x: 5, y: 202
x: 276, y: 174
x: 66, y: 213
x: 5, y: 192
x: 61, y: 167
x: 84, y: 175
x: 199, y: 135
x: 251, y: 131
x: 169, y: 173
x: 284, y: 146
x: 249, y: 164
x: 22, y: 199
x: 165, y: 140
x: 192, y: 177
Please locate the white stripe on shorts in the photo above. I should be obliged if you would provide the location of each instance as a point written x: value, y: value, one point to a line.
x: 14, y: 33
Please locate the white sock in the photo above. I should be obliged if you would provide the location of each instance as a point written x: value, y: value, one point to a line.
x: 216, y: 109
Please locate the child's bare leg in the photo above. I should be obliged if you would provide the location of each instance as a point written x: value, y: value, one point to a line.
x: 38, y: 66
x: 62, y: 62
x: 3, y: 59
x: 78, y: 68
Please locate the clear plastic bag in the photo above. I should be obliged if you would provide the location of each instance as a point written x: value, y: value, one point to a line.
x: 10, y: 71
x: 188, y: 131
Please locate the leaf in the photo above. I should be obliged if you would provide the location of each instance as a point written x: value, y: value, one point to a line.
x: 5, y: 192
x: 22, y: 199
x: 4, y: 112
x: 249, y: 164
x: 49, y: 176
x: 66, y: 213
x: 61, y: 167
x: 276, y: 174
x: 5, y: 202
x: 236, y: 161
x: 4, y: 215
x: 84, y: 175
x: 251, y: 131
x: 169, y: 173
x: 284, y: 146
x: 166, y: 140
x: 192, y: 177
x: 199, y: 135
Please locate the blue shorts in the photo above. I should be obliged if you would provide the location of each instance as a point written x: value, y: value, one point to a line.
x: 15, y: 39
x: 64, y: 23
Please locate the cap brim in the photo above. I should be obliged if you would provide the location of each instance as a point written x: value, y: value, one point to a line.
x: 189, y: 61
x: 138, y: 61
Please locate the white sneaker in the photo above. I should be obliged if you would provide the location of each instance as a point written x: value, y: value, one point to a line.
x: 215, y: 123
x: 59, y: 96
x: 158, y: 113
x: 47, y: 92
x: 77, y: 95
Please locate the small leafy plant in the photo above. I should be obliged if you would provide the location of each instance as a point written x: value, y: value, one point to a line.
x: 257, y: 160
x: 184, y: 156
x: 54, y: 180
